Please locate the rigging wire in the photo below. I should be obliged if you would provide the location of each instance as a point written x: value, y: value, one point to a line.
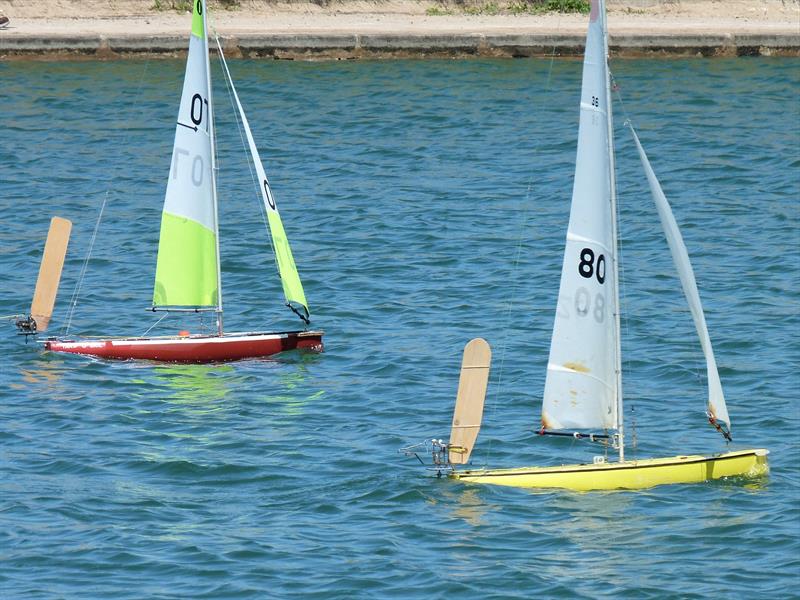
x: 623, y: 323
x: 73, y: 301
x: 509, y: 305
x: 629, y: 402
x: 239, y: 126
x: 515, y: 286
x: 75, y: 296
x: 696, y: 369
x: 166, y: 314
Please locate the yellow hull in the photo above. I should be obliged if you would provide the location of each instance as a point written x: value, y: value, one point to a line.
x: 630, y: 475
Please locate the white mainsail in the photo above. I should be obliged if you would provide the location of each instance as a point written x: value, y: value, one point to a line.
x: 581, y: 389
x: 716, y: 400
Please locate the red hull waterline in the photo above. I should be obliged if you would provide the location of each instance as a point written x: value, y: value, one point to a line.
x: 193, y: 348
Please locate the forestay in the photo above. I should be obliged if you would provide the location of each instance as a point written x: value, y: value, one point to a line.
x: 581, y: 385
x: 187, y: 271
x: 290, y: 279
x: 716, y: 401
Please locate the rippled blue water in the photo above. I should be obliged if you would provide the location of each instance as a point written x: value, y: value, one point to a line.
x: 426, y: 203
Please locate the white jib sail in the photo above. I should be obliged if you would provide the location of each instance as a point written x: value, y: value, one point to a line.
x: 580, y: 388
x: 716, y: 400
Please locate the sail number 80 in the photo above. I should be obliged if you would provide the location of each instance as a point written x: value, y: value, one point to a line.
x: 588, y: 267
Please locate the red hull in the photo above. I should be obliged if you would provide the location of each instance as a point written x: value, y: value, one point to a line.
x: 194, y: 348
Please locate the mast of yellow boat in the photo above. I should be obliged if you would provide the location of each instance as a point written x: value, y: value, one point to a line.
x: 614, y: 237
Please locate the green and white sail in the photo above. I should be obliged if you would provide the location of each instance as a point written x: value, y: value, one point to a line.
x: 581, y: 388
x: 187, y: 270
x: 290, y: 279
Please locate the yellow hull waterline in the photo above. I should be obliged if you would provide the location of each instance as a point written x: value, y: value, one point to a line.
x: 631, y: 475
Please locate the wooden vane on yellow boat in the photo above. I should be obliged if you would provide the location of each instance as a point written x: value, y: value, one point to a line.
x: 468, y: 412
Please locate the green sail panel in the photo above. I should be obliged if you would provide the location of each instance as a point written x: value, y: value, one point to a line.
x: 198, y: 23
x: 187, y: 273
x: 290, y: 279
x: 182, y: 282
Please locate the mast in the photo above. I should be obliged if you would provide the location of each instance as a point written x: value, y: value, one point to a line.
x: 614, y: 235
x: 212, y: 135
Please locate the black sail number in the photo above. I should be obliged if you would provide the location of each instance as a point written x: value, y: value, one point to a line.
x: 197, y: 110
x: 600, y: 269
x: 588, y: 267
x: 268, y: 194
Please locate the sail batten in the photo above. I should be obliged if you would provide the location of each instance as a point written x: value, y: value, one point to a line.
x: 592, y: 109
x: 573, y: 237
x: 680, y: 256
x: 578, y: 372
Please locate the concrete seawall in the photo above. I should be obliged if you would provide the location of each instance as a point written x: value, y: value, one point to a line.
x: 353, y: 29
x: 340, y: 45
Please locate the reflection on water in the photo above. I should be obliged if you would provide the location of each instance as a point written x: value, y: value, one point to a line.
x: 34, y: 366
x: 48, y: 377
x: 290, y: 382
x: 465, y: 503
x: 593, y: 528
x: 199, y: 387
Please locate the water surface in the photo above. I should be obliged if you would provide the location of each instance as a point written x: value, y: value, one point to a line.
x: 426, y: 203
